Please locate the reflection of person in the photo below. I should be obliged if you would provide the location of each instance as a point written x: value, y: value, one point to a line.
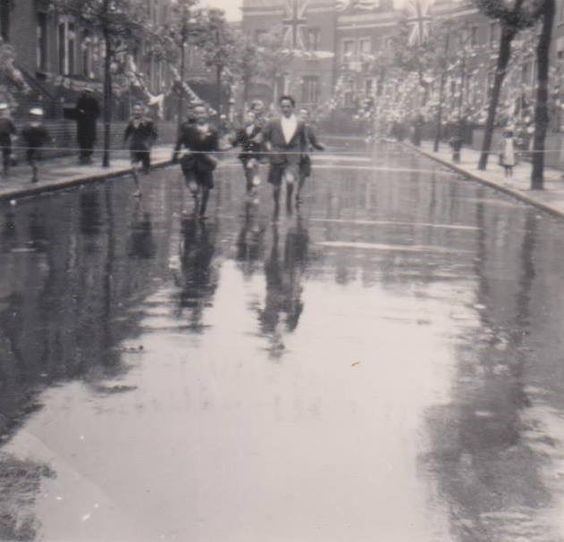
x: 285, y: 138
x: 283, y: 303
x: 141, y: 241
x: 141, y: 134
x: 7, y: 131
x: 34, y: 136
x: 248, y: 139
x: 250, y: 240
x: 311, y: 143
x: 199, y: 277
x: 87, y: 113
x: 198, y: 142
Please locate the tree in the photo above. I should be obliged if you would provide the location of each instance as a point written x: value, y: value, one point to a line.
x: 513, y: 16
x: 247, y: 64
x: 184, y: 27
x: 274, y: 58
x: 217, y: 43
x: 541, y: 107
x: 121, y: 24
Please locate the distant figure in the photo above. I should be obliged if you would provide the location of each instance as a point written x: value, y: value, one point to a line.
x: 285, y: 138
x: 199, y: 142
x: 35, y: 135
x: 507, y: 155
x: 7, y: 131
x: 87, y: 112
x: 141, y: 134
x: 305, y: 161
x: 248, y: 139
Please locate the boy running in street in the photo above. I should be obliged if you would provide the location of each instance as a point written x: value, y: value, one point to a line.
x: 7, y: 131
x: 34, y: 136
x: 142, y: 134
x: 198, y: 141
x: 248, y: 139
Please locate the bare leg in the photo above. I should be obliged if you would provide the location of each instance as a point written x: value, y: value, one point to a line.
x: 276, y: 194
x: 204, y: 203
x: 135, y: 175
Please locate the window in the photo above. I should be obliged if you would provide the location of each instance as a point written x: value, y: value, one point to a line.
x: 42, y: 41
x: 5, y: 21
x: 365, y: 46
x: 86, y: 48
x: 474, y: 36
x: 259, y: 35
x: 310, y: 89
x: 313, y: 39
x: 348, y: 50
x: 494, y: 33
x: 66, y: 34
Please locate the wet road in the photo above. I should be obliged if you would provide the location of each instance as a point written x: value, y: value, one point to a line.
x: 385, y: 365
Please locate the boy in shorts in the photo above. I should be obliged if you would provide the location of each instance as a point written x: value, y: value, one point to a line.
x: 305, y: 161
x: 7, y: 132
x: 198, y: 141
x: 34, y: 136
x: 142, y: 134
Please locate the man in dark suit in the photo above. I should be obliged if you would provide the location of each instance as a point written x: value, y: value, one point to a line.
x: 286, y: 140
x: 87, y: 112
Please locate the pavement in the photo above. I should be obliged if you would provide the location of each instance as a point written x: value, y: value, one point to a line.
x: 551, y: 199
x: 66, y: 172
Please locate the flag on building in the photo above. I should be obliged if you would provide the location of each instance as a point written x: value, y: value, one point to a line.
x: 294, y: 22
x: 418, y: 20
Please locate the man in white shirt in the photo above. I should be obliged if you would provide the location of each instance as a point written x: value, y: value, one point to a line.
x: 286, y: 141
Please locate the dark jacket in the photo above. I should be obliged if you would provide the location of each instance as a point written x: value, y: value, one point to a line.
x: 283, y: 152
x: 7, y: 130
x: 193, y: 139
x: 86, y: 114
x: 35, y: 137
x: 247, y: 141
x: 142, y: 135
x: 311, y: 139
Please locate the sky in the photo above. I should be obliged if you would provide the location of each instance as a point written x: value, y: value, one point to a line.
x: 232, y: 8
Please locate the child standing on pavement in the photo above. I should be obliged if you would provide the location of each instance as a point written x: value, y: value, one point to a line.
x: 198, y: 141
x: 7, y: 131
x: 142, y: 134
x: 507, y: 155
x: 34, y: 136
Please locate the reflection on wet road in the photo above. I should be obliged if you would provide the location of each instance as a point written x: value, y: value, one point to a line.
x: 384, y: 365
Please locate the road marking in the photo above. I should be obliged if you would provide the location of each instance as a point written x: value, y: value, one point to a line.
x: 387, y: 169
x: 391, y: 248
x: 390, y: 223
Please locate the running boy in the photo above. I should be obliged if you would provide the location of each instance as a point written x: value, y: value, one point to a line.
x: 142, y: 134
x: 248, y: 139
x: 7, y: 131
x: 34, y: 136
x: 198, y: 141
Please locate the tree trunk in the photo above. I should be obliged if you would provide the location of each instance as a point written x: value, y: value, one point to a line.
x: 107, y: 99
x: 541, y: 107
x: 218, y: 73
x: 180, y: 112
x: 441, y: 97
x: 507, y: 35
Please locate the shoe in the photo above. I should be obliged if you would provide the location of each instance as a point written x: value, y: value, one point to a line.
x: 137, y: 194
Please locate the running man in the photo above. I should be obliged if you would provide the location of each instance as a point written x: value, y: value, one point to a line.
x: 198, y: 141
x: 285, y: 139
x: 142, y: 134
x: 311, y: 143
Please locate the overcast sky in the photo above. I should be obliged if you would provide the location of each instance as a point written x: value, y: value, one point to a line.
x: 233, y: 7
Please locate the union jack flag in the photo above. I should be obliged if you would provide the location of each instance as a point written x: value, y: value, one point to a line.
x: 295, y: 21
x: 418, y: 20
